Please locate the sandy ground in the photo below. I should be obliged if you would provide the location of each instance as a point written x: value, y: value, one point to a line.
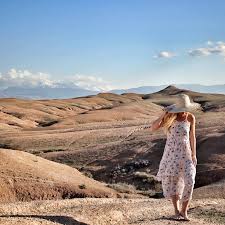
x: 106, y: 211
x: 25, y: 177
x: 86, y: 133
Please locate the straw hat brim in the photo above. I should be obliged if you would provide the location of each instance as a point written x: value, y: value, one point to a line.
x: 174, y: 109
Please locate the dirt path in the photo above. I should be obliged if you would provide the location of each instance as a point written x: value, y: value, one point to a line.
x: 95, y: 211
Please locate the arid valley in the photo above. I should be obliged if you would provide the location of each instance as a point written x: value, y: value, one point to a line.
x: 69, y: 161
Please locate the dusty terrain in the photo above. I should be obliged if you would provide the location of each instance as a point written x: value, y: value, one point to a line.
x: 88, y: 134
x: 26, y: 177
x: 110, y: 212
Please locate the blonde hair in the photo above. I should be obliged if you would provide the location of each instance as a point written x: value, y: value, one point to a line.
x: 167, y: 121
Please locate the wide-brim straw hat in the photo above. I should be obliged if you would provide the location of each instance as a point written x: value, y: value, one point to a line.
x: 183, y: 104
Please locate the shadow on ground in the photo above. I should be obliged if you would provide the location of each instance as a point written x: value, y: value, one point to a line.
x: 66, y: 220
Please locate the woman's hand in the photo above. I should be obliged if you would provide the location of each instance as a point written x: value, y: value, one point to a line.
x: 157, y: 123
x: 194, y: 160
x: 164, y: 112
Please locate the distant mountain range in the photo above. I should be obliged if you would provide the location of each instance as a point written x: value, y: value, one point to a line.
x: 45, y: 92
x: 219, y: 89
x: 73, y: 92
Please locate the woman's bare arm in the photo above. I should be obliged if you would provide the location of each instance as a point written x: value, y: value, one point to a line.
x: 157, y: 123
x: 192, y: 136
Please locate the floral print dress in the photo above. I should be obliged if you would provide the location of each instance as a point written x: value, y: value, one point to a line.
x: 176, y: 169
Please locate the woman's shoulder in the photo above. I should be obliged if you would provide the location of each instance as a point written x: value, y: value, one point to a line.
x: 190, y: 117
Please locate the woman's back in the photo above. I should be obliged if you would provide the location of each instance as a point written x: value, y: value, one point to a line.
x: 176, y: 159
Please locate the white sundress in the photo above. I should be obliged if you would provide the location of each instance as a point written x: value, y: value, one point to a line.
x: 176, y: 169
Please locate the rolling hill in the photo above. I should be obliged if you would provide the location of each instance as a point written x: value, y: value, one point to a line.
x: 88, y: 133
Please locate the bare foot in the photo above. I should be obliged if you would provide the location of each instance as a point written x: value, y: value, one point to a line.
x: 185, y: 216
x: 177, y: 216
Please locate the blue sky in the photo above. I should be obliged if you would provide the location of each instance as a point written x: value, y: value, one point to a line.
x: 114, y: 43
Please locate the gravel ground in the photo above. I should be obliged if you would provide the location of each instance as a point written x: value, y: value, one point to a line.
x: 107, y: 211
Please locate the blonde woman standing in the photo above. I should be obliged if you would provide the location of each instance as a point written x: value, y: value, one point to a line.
x: 177, y: 168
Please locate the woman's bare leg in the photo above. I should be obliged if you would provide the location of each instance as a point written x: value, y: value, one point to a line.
x: 175, y: 201
x: 184, y: 209
x: 187, y: 193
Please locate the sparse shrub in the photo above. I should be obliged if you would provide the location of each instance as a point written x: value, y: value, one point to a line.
x: 47, y: 123
x: 148, y: 193
x: 123, y: 187
x: 129, y: 167
x: 107, y: 107
x: 158, y: 187
x: 52, y: 150
x: 7, y: 146
x: 142, y: 174
x: 82, y: 186
x: 88, y: 174
x: 146, y: 177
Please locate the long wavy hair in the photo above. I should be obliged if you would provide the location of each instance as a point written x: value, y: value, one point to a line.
x: 167, y: 121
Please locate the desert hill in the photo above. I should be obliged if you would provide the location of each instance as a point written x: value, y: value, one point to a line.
x: 208, y: 101
x: 26, y: 177
x: 88, y: 133
x: 21, y: 113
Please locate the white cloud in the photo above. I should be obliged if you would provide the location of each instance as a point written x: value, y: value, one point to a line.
x: 209, y: 43
x: 211, y: 48
x: 90, y: 82
x: 164, y: 54
x: 216, y: 48
x: 25, y: 78
x: 199, y: 52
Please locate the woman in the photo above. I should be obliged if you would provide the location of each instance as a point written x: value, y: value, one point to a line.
x: 177, y: 168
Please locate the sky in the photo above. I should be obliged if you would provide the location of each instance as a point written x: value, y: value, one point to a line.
x: 103, y: 45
